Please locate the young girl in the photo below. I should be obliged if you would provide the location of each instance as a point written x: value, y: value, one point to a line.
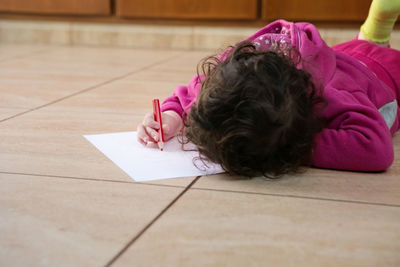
x: 283, y: 98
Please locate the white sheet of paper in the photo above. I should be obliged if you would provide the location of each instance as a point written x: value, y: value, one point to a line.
x: 149, y: 163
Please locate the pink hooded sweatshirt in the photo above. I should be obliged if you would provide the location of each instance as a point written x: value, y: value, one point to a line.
x: 361, y: 111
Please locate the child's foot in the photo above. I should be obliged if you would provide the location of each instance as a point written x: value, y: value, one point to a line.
x: 380, y: 21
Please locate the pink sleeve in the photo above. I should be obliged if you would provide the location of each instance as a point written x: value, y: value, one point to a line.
x: 183, y: 97
x: 356, y: 138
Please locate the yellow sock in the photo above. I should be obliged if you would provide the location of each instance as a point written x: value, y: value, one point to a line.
x: 380, y: 21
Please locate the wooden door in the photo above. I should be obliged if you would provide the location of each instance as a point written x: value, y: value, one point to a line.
x: 315, y: 10
x: 188, y: 9
x: 64, y: 7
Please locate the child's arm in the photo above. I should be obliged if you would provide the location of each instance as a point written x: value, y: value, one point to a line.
x: 172, y: 109
x: 357, y: 138
x: 350, y: 149
x: 183, y: 97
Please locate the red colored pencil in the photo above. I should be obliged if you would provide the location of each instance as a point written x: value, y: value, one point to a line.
x: 157, y: 118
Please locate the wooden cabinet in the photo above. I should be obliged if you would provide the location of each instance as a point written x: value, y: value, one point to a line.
x: 194, y: 11
x: 314, y: 10
x: 188, y: 9
x: 63, y: 7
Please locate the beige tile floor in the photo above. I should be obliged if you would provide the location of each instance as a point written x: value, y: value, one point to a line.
x: 62, y: 203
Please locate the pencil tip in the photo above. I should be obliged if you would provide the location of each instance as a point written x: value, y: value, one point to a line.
x: 161, y: 145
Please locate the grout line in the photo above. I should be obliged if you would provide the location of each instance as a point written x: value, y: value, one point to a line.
x: 89, y: 88
x: 63, y: 98
x: 91, y: 179
x: 302, y: 197
x: 125, y: 248
x: 204, y: 189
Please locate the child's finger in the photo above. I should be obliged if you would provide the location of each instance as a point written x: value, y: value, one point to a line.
x: 149, y: 121
x: 141, y: 141
x: 152, y: 133
x: 142, y: 135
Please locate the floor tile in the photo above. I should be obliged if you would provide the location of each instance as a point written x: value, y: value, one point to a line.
x: 12, y: 51
x: 8, y: 112
x: 48, y: 221
x: 49, y: 142
x: 179, y: 70
x: 317, y: 183
x: 122, y: 96
x: 208, y: 228
x: 178, y: 77
x: 28, y: 93
x: 44, y: 77
x: 137, y: 90
x: 102, y: 61
x: 185, y: 61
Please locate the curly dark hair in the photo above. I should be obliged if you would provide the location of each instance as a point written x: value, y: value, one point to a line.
x: 256, y: 112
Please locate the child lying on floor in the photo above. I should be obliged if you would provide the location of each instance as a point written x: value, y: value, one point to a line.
x: 283, y: 98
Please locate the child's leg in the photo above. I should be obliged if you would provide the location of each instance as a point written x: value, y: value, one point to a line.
x: 380, y: 21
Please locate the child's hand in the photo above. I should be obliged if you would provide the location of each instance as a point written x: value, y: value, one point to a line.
x: 147, y: 130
